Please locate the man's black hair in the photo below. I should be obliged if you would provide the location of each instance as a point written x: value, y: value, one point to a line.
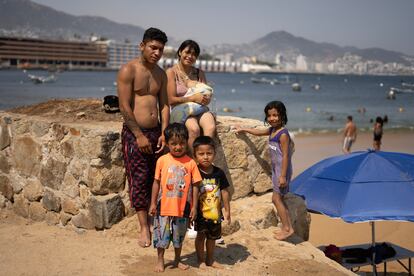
x: 203, y: 140
x: 175, y: 130
x: 192, y: 46
x: 155, y: 34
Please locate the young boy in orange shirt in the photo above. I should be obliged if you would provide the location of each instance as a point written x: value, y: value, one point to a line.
x: 174, y: 195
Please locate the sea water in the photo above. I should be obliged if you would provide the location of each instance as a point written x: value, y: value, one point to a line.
x: 326, y: 109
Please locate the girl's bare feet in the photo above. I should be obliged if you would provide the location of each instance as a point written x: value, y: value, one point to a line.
x: 283, y: 235
x: 277, y: 231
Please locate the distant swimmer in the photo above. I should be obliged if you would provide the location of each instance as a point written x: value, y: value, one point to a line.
x: 362, y: 110
x: 378, y: 130
x: 350, y: 134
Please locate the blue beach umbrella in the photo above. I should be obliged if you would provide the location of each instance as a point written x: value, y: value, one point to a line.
x: 361, y: 186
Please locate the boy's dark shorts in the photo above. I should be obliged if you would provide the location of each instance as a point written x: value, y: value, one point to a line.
x: 211, y: 229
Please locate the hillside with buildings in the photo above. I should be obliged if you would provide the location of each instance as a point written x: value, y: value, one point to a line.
x: 291, y: 53
x: 25, y: 18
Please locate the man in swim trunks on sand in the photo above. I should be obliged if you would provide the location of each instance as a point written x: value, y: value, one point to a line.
x: 144, y: 106
x: 350, y: 133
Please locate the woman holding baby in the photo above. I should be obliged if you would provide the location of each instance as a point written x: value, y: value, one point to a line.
x: 183, y: 76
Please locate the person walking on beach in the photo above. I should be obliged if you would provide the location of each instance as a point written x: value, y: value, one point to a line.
x: 378, y: 130
x: 174, y: 195
x: 214, y: 195
x: 178, y: 80
x: 281, y: 149
x: 144, y: 107
x: 350, y: 134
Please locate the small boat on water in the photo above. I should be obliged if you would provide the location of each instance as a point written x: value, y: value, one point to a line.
x: 402, y: 90
x: 391, y: 95
x: 42, y: 79
x: 316, y: 87
x: 296, y: 87
x: 407, y: 85
x: 265, y: 80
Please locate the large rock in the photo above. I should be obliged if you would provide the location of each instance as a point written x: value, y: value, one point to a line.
x: 70, y: 186
x: 105, y: 180
x: 3, y: 201
x: 70, y: 206
x: 21, y: 206
x: 52, y: 218
x: 37, y: 212
x: 18, y: 182
x: 39, y: 128
x: 66, y: 148
x: 299, y: 215
x: 58, y: 132
x: 51, y: 201
x: 84, y: 194
x: 228, y: 229
x: 106, y: 210
x: 78, y: 168
x: 65, y: 218
x: 83, y: 220
x: 20, y: 126
x: 87, y: 146
x: 33, y: 190
x: 234, y: 152
x: 110, y: 141
x: 264, y: 217
x: 52, y: 174
x: 27, y: 156
x: 4, y: 163
x: 5, y: 138
x: 242, y: 187
x: 6, y: 189
x: 262, y: 183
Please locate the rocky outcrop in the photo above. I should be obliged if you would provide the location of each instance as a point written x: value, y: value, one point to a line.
x: 71, y: 171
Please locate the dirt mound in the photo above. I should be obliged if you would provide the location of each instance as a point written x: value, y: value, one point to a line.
x: 69, y: 110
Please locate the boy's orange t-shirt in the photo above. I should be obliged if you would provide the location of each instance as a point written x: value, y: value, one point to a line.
x: 176, y: 176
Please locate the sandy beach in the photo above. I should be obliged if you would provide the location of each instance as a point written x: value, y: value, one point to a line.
x: 30, y: 248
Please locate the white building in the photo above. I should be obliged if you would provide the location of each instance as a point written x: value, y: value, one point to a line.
x: 301, y: 64
x: 120, y: 53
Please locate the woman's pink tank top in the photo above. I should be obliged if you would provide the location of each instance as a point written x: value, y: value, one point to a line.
x: 181, y: 88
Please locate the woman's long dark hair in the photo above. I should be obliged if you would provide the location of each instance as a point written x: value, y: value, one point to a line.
x: 192, y: 46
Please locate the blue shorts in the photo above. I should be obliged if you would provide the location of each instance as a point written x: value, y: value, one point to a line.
x: 169, y: 229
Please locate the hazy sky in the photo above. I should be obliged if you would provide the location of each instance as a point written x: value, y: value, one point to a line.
x: 386, y: 24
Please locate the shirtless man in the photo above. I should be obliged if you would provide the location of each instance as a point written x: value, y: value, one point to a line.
x: 144, y: 106
x: 350, y: 133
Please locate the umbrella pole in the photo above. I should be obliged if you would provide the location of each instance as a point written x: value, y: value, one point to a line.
x: 374, y: 267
